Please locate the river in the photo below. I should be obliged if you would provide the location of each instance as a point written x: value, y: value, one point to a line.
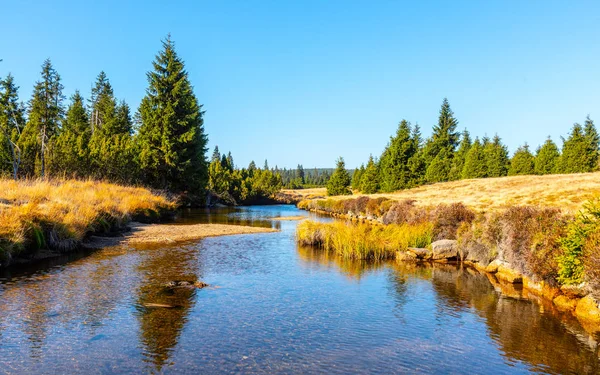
x: 274, y: 308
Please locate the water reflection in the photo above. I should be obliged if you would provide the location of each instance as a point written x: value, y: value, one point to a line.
x: 162, y: 312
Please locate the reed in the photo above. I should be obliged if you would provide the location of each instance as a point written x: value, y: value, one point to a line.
x: 59, y: 213
x: 364, y: 241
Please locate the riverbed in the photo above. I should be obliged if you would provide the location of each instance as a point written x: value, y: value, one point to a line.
x: 273, y: 307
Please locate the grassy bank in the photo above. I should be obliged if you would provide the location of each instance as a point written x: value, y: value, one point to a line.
x: 58, y: 214
x: 568, y: 192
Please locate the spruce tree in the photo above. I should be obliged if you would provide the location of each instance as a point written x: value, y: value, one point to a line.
x: 339, y: 182
x: 395, y: 173
x: 369, y: 183
x: 591, y: 134
x: 416, y: 163
x: 522, y: 162
x: 458, y: 162
x: 577, y: 153
x: 356, y: 177
x: 475, y: 163
x: 171, y: 137
x: 440, y: 148
x: 546, y: 158
x: 70, y: 152
x: 216, y: 155
x: 44, y: 121
x: 496, y: 157
x: 11, y: 124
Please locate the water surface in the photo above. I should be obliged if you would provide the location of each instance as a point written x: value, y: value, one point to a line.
x: 274, y: 308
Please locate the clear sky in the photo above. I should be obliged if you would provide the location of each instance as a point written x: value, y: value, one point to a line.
x: 308, y: 81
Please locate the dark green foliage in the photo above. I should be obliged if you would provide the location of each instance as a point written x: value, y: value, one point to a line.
x: 171, y: 138
x: 44, y: 121
x: 11, y: 124
x: 546, y: 158
x: 522, y: 162
x: 369, y: 183
x: 458, y: 162
x: 496, y: 157
x: 70, y: 152
x: 475, y: 162
x: 440, y: 148
x: 593, y: 139
x: 394, y: 168
x: 339, y: 182
x: 577, y: 153
x: 357, y: 176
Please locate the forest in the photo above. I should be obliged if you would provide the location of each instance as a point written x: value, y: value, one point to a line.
x: 409, y: 161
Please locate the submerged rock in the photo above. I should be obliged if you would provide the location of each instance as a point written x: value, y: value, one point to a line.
x: 185, y: 284
x: 587, y: 309
x: 444, y: 249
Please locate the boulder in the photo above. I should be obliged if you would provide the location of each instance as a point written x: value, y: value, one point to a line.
x: 575, y: 291
x: 406, y: 256
x: 509, y: 275
x: 493, y: 266
x: 564, y: 303
x: 420, y: 253
x: 587, y: 309
x: 444, y: 249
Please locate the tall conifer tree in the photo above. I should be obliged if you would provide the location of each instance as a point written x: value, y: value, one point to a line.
x: 475, y: 165
x: 339, y: 183
x: 496, y: 157
x: 171, y: 137
x: 458, y: 162
x: 522, y: 162
x: 394, y: 165
x: 11, y: 124
x: 440, y: 148
x: 546, y: 158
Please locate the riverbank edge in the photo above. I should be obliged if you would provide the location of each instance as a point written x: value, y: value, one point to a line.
x: 569, y: 299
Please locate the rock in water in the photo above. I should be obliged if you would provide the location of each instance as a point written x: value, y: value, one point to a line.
x: 444, y: 249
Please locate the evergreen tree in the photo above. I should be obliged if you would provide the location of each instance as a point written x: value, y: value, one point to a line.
x: 171, y: 137
x: 11, y: 124
x: 300, y: 174
x: 475, y: 163
x: 458, y: 162
x: 440, y: 148
x: 416, y: 163
x: 230, y: 161
x: 102, y: 103
x: 356, y: 177
x: 339, y: 182
x: 591, y: 135
x: 44, y: 121
x: 395, y: 173
x: 577, y: 153
x: 266, y: 166
x: 70, y: 153
x: 522, y: 162
x: 496, y: 157
x: 546, y: 158
x: 370, y: 179
x: 216, y: 155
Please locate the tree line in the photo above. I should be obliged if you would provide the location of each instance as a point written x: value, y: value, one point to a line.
x: 448, y: 155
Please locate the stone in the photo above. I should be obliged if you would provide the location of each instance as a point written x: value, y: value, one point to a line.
x: 587, y: 309
x: 564, y: 303
x: 406, y: 256
x: 509, y: 275
x: 444, y: 249
x: 493, y: 266
x: 576, y: 291
x: 420, y: 253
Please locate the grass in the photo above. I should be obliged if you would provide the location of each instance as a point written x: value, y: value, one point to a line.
x: 565, y: 191
x: 59, y: 213
x: 364, y: 241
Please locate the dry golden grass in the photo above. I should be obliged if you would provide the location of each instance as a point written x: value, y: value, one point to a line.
x: 567, y: 192
x: 70, y: 208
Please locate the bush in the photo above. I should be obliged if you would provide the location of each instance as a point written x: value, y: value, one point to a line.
x: 448, y: 218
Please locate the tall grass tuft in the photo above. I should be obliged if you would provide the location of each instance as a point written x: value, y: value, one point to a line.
x: 364, y: 241
x: 59, y: 213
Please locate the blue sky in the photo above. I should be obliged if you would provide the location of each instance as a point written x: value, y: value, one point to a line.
x: 308, y: 81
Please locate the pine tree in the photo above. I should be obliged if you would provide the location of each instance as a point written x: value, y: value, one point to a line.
x: 522, y: 162
x: 591, y: 134
x: 300, y: 174
x: 546, y: 158
x: 70, y: 152
x: 339, y: 182
x: 44, y: 121
x: 577, y: 155
x: 458, y: 162
x: 356, y: 177
x: 102, y: 103
x: 266, y: 166
x: 369, y: 183
x: 216, y: 155
x: 230, y: 164
x: 496, y: 157
x: 395, y: 173
x: 475, y: 163
x: 171, y: 137
x: 11, y: 124
x: 440, y: 148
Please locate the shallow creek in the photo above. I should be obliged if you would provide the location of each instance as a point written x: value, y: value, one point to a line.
x: 273, y: 308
